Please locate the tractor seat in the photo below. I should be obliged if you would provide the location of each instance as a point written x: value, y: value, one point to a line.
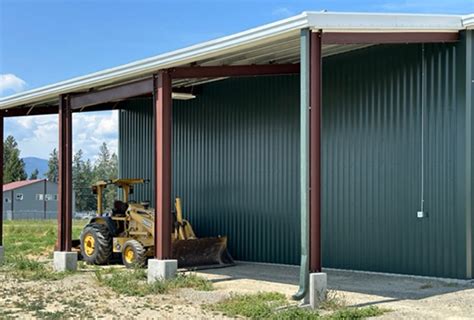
x: 120, y: 208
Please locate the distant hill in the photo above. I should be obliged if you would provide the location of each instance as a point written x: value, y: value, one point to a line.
x: 32, y: 163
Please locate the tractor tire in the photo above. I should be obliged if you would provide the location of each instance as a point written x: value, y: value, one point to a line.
x: 96, y: 244
x: 133, y: 254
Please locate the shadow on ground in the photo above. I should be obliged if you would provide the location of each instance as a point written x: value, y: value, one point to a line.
x: 391, y: 287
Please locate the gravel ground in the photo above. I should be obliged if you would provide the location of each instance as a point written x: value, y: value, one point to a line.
x: 80, y: 295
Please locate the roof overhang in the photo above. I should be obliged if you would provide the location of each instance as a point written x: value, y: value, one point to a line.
x: 468, y: 21
x: 276, y: 42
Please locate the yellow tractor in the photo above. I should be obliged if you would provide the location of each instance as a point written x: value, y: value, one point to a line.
x: 129, y: 230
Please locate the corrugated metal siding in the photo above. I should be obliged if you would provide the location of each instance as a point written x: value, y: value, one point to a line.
x: 468, y: 39
x: 136, y: 146
x: 236, y: 162
x: 470, y: 57
x: 236, y: 165
x: 372, y: 161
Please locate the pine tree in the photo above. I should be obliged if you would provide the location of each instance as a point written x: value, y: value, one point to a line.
x: 106, y: 168
x: 87, y: 173
x: 13, y: 165
x: 81, y: 183
x: 34, y: 175
x: 53, y: 169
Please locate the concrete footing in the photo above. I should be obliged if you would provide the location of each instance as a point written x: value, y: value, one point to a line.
x: 161, y: 269
x: 318, y: 284
x: 2, y: 254
x: 65, y: 261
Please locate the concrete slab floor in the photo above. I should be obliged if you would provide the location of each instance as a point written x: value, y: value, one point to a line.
x: 409, y: 297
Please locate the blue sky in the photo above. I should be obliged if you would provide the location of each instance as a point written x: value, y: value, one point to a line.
x: 42, y: 42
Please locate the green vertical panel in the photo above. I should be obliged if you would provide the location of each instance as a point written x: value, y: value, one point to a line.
x: 372, y: 120
x: 470, y: 58
x: 236, y: 165
x: 444, y: 250
x: 236, y: 161
x: 136, y: 145
x: 469, y: 40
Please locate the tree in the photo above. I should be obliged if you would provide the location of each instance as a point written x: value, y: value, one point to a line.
x: 34, y: 175
x: 13, y: 165
x: 82, y: 179
x: 106, y: 168
x: 53, y: 169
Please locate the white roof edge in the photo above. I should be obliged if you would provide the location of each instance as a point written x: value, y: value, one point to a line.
x: 314, y: 20
x: 468, y: 21
x: 383, y: 21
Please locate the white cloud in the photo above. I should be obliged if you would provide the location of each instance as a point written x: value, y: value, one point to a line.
x: 10, y: 83
x: 38, y: 135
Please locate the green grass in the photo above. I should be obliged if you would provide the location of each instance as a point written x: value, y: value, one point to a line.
x: 33, y: 237
x: 132, y: 282
x: 358, y: 313
x: 28, y: 243
x: 29, y: 269
x: 254, y: 306
x: 272, y: 305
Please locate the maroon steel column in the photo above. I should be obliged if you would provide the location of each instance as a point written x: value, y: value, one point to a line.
x: 1, y: 176
x: 162, y: 118
x: 65, y: 175
x: 315, y: 152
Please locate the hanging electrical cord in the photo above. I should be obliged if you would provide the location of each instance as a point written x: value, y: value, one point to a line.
x: 423, y: 106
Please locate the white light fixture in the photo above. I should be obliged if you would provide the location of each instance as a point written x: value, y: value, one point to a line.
x: 182, y: 96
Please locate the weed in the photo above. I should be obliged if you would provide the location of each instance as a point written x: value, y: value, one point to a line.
x: 334, y: 301
x: 56, y: 315
x: 34, y: 305
x: 132, y: 282
x: 254, y: 306
x: 190, y: 281
x: 357, y: 313
x: 29, y: 269
x: 275, y: 306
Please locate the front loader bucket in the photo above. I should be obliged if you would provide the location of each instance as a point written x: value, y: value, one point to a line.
x: 204, y: 253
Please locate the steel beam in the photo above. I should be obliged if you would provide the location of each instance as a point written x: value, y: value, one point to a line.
x: 234, y: 71
x: 315, y: 151
x: 30, y: 111
x: 121, y: 92
x: 388, y: 37
x: 162, y: 119
x: 1, y: 176
x: 44, y: 110
x: 65, y: 175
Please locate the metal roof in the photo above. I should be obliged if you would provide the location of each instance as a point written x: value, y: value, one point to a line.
x: 18, y: 184
x: 277, y: 42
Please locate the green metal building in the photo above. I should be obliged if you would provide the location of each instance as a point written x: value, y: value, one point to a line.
x: 393, y: 136
x: 370, y: 113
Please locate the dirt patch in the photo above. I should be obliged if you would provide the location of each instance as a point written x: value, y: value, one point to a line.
x: 80, y: 296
